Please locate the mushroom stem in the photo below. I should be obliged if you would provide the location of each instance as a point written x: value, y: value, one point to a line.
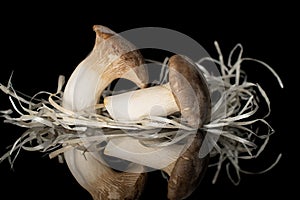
x: 135, y: 105
x: 130, y: 149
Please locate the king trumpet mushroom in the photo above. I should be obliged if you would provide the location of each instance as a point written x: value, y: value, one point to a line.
x: 112, y: 57
x: 186, y: 93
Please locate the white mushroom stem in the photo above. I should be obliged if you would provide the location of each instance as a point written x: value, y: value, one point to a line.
x: 132, y: 150
x: 147, y: 102
x: 135, y: 105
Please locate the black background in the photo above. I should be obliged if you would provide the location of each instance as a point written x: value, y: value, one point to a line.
x: 40, y: 42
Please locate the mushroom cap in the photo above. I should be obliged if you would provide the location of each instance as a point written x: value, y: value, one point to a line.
x: 190, y: 90
x: 188, y: 171
x: 192, y: 96
x: 112, y: 57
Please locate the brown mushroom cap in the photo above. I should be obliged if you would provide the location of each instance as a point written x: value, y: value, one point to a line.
x: 190, y: 90
x: 192, y: 96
